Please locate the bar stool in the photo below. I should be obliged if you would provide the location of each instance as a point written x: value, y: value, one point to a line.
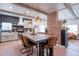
x: 51, y: 43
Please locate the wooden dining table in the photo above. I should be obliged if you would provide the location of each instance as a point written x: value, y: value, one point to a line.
x: 39, y: 40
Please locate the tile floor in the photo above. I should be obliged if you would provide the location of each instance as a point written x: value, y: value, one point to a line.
x: 13, y: 49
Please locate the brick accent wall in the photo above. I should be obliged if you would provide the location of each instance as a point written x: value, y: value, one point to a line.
x: 54, y: 26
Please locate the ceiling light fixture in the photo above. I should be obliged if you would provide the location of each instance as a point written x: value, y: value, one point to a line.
x: 10, y: 7
x: 37, y: 19
x: 27, y: 12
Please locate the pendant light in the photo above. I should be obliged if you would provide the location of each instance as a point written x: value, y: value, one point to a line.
x: 37, y: 19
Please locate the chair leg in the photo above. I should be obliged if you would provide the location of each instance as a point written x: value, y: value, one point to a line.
x: 25, y: 51
x: 47, y: 51
x: 31, y: 51
x: 29, y: 54
x: 37, y: 51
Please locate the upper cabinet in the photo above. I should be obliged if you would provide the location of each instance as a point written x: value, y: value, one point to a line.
x: 7, y: 18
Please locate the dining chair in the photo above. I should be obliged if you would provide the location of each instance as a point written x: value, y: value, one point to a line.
x: 21, y: 38
x: 51, y: 43
x: 28, y: 47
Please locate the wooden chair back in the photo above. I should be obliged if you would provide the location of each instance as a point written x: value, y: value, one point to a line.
x: 24, y: 40
x: 52, y: 41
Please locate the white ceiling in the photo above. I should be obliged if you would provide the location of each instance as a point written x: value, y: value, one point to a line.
x: 45, y: 7
x: 66, y: 10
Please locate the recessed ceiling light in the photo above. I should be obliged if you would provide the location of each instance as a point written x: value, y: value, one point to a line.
x: 10, y: 7
x: 27, y: 12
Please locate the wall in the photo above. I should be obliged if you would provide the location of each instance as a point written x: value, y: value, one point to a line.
x: 54, y: 26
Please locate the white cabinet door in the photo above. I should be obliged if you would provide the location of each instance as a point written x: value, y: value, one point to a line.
x: 4, y: 38
x: 9, y: 36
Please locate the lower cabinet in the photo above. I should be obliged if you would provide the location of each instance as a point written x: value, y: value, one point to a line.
x: 6, y: 36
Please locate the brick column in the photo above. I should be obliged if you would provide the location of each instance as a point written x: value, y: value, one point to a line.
x: 54, y: 26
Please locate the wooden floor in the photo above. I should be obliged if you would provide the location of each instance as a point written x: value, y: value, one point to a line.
x: 13, y: 49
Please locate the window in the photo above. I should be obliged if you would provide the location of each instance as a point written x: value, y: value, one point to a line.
x: 6, y: 26
x: 42, y: 28
x: 72, y: 28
